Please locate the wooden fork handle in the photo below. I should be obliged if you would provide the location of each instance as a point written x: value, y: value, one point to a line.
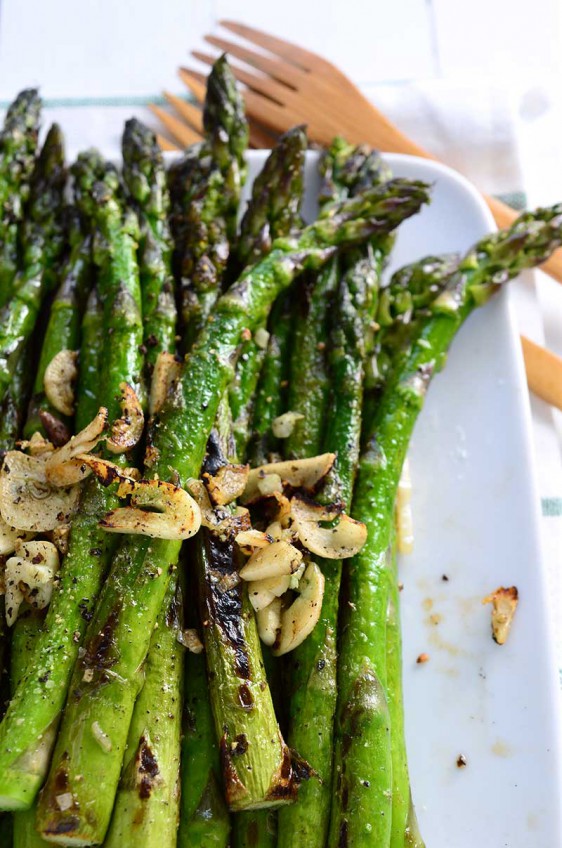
x: 544, y: 372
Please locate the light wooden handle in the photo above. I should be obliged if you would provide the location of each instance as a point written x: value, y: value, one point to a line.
x: 544, y: 372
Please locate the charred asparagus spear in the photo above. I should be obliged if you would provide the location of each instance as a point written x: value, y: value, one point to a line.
x: 141, y: 568
x: 62, y: 333
x: 199, y: 229
x: 33, y: 713
x: 42, y: 243
x: 146, y: 810
x: 361, y: 811
x: 226, y: 132
x: 339, y: 310
x: 273, y: 211
x: 18, y: 146
x: 145, y: 178
x: 91, y: 353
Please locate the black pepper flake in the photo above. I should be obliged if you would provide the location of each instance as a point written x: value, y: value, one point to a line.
x: 461, y: 761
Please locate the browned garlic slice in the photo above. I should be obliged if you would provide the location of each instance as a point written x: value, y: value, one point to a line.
x: 62, y: 467
x: 189, y: 638
x: 37, y: 445
x: 167, y: 370
x: 58, y: 382
x: 403, y: 512
x: 28, y: 501
x: 249, y: 540
x: 342, y: 540
x: 504, y: 603
x: 107, y: 472
x: 10, y: 536
x: 276, y: 560
x: 298, y: 473
x: 269, y: 621
x: 227, y: 484
x: 299, y: 620
x: 127, y: 430
x: 29, y: 577
x: 262, y: 592
x: 283, y: 425
x: 178, y: 515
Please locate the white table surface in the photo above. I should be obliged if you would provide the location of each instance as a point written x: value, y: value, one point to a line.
x: 478, y: 83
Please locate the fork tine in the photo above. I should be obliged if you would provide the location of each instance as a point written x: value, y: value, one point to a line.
x: 166, y: 144
x: 260, y: 138
x: 272, y: 115
x: 196, y: 82
x: 180, y: 131
x: 298, y: 55
x: 189, y: 112
x: 281, y: 71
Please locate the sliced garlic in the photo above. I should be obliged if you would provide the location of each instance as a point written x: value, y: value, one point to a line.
x: 342, y: 540
x: 270, y: 484
x: 227, y: 484
x: 178, y: 517
x: 269, y: 621
x: 275, y: 560
x: 216, y: 519
x: 127, y: 430
x: 261, y: 338
x: 298, y: 473
x: 249, y: 540
x: 27, y: 499
x: 9, y: 537
x: 189, y: 638
x: 403, y: 512
x: 271, y: 587
x: 58, y: 382
x: 62, y: 467
x: 167, y: 370
x: 29, y: 577
x: 283, y: 425
x: 504, y: 603
x: 299, y: 620
x: 37, y: 445
x: 107, y: 472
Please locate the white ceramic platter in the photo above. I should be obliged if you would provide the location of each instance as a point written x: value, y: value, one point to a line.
x: 476, y: 521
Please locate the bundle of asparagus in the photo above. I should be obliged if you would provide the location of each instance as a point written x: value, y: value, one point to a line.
x: 232, y: 699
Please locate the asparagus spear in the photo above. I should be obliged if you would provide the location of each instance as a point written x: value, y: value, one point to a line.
x: 146, y: 808
x: 91, y: 350
x: 199, y: 229
x: 361, y: 811
x: 18, y: 145
x: 34, y: 710
x: 273, y: 211
x: 42, y: 241
x: 12, y: 409
x: 62, y: 333
x: 204, y: 818
x: 226, y: 131
x: 145, y: 178
x: 140, y: 570
x: 343, y: 310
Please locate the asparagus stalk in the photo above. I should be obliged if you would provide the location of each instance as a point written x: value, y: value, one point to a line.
x: 204, y: 818
x: 273, y: 211
x: 226, y: 131
x: 145, y: 178
x: 18, y: 146
x: 199, y: 229
x: 91, y: 352
x: 361, y: 811
x: 343, y: 310
x: 62, y: 333
x: 42, y: 241
x: 146, y: 810
x: 33, y: 713
x: 140, y: 570
x: 12, y: 409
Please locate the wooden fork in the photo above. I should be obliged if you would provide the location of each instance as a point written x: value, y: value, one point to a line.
x: 289, y: 85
